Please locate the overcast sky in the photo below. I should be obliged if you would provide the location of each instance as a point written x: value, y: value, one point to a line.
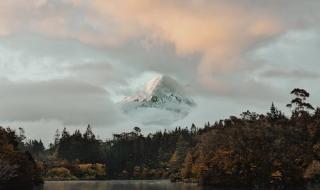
x: 68, y: 62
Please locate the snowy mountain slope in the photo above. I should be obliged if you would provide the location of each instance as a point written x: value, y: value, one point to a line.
x: 163, y: 101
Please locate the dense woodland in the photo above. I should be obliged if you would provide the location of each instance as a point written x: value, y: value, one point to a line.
x: 253, y: 150
x: 18, y: 169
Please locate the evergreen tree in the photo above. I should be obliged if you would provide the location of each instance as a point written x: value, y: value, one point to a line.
x: 56, y: 137
x: 274, y: 113
x: 193, y: 129
x: 65, y: 134
x: 89, y: 135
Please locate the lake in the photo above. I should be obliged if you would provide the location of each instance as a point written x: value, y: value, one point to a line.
x: 131, y: 185
x: 119, y: 185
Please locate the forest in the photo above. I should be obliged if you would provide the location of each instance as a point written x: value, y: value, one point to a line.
x: 251, y: 150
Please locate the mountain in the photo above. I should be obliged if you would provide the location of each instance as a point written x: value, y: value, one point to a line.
x: 163, y: 101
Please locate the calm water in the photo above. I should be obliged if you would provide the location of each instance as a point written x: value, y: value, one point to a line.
x: 130, y: 185
x: 119, y: 185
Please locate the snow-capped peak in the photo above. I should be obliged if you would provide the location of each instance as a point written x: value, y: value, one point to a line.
x: 162, y: 85
x: 161, y: 94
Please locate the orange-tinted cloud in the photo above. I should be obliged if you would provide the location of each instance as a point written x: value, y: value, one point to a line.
x: 214, y: 27
x: 218, y: 28
x: 221, y: 32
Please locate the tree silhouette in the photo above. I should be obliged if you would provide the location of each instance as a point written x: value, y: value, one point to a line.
x: 56, y: 137
x: 88, y: 134
x: 137, y: 130
x: 274, y: 114
x: 299, y: 102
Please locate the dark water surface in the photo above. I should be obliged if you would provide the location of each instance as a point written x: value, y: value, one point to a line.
x: 119, y: 185
x: 133, y: 185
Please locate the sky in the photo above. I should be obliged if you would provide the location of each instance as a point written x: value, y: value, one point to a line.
x: 67, y: 63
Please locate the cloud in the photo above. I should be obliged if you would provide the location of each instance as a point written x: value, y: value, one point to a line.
x: 216, y: 29
x: 220, y: 32
x: 300, y: 74
x: 71, y: 102
x: 211, y: 28
x: 243, y: 89
x: 95, y: 73
x: 207, y: 27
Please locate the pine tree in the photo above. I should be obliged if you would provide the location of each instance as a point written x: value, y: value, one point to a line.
x: 193, y: 129
x: 65, y: 134
x: 88, y: 135
x: 274, y: 113
x: 57, y: 137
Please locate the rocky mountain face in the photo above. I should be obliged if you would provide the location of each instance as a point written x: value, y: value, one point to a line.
x: 163, y: 100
